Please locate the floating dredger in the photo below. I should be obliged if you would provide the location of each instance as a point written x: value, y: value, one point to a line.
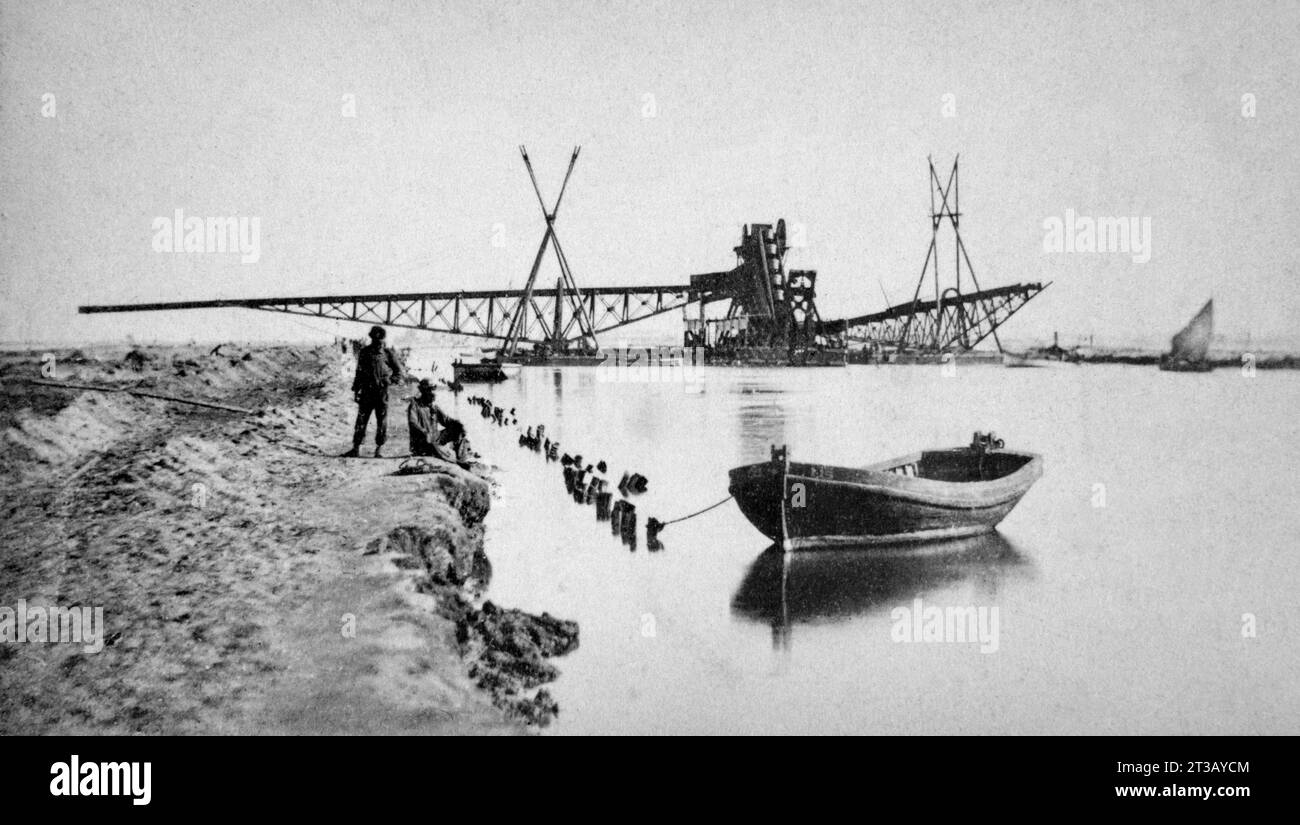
x: 768, y: 315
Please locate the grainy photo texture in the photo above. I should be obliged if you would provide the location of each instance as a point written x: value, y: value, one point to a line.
x: 577, y: 367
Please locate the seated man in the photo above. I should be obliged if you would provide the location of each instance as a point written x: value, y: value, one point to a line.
x: 425, y: 420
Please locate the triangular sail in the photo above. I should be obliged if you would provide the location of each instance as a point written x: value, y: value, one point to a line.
x: 1193, y: 341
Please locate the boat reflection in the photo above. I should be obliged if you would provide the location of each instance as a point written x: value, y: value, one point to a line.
x: 785, y: 589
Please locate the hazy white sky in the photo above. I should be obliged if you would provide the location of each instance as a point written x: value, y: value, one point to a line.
x: 821, y: 113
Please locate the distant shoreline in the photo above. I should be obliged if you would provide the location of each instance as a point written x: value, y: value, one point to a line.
x: 1221, y: 359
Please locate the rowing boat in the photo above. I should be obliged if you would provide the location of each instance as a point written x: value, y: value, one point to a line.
x: 924, y: 496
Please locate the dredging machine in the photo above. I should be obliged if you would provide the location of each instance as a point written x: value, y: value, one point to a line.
x: 770, y: 315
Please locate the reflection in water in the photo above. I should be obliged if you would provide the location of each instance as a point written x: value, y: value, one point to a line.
x: 709, y: 668
x: 761, y: 425
x: 784, y: 589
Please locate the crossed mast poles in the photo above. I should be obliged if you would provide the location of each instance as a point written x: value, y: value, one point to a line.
x: 567, y: 288
x: 953, y: 214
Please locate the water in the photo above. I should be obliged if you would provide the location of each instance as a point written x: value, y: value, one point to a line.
x: 1166, y: 512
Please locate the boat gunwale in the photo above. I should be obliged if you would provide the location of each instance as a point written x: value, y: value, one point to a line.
x: 876, y: 478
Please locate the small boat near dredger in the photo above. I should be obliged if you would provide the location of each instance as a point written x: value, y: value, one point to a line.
x: 933, y: 494
x: 486, y: 371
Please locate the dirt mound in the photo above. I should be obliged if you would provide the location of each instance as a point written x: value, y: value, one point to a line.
x: 505, y: 650
x: 202, y: 532
x: 93, y: 422
x: 444, y: 553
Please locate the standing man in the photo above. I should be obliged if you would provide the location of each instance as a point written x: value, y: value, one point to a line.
x: 377, y: 368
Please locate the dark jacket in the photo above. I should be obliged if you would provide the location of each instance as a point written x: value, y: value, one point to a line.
x: 377, y: 367
x: 424, y: 421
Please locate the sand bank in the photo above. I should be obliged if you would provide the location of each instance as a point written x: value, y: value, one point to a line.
x: 250, y: 581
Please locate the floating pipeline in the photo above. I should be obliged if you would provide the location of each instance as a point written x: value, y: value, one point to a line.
x: 628, y: 524
x: 652, y: 528
x: 622, y: 522
x: 537, y: 442
x: 616, y: 518
x: 620, y: 514
x: 501, y: 417
x: 633, y: 484
x: 583, y: 488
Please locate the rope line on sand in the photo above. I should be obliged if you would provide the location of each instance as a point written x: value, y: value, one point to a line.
x: 700, y: 512
x: 69, y: 385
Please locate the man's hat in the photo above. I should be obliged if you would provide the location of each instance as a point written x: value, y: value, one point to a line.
x: 426, y: 384
x: 377, y: 332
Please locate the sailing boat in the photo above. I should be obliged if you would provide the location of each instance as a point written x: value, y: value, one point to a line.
x: 1189, y: 346
x: 1041, y: 356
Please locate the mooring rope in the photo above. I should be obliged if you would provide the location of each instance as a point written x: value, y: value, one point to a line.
x: 693, y: 515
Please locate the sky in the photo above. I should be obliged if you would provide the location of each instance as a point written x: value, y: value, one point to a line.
x: 694, y: 118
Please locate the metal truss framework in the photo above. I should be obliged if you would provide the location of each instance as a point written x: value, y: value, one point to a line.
x: 953, y: 321
x: 484, y: 314
x: 570, y: 316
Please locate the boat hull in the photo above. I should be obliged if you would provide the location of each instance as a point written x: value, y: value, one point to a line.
x: 485, y: 373
x: 531, y: 359
x: 806, y: 506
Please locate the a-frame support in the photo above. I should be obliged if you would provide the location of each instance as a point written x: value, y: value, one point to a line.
x: 566, y: 287
x: 948, y: 207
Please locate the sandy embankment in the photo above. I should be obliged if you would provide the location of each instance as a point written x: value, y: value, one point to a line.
x: 250, y: 581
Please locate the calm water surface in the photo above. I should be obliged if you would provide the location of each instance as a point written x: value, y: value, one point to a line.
x: 1167, y: 510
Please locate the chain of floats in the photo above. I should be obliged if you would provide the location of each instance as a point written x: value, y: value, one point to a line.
x: 586, y: 485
